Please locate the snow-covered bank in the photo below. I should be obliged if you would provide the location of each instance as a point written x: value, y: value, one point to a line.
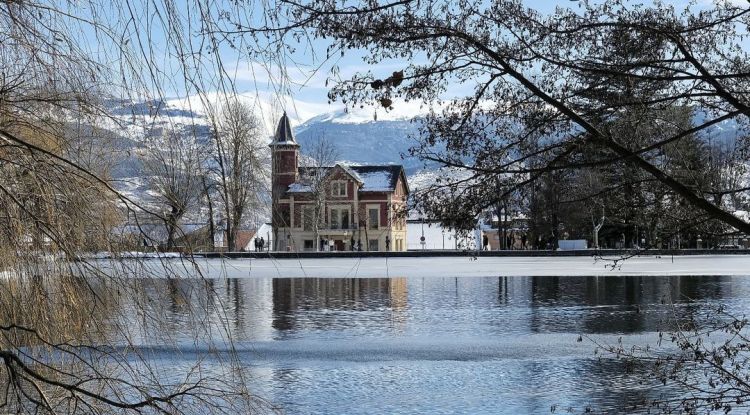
x: 480, y: 267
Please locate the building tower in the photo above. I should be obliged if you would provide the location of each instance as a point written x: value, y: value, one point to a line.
x: 284, y: 171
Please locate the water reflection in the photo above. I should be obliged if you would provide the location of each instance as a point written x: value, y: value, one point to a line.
x: 433, y: 345
x: 322, y: 303
x: 282, y: 308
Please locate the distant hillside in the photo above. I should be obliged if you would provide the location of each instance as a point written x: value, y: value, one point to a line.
x: 364, y: 141
x: 360, y: 136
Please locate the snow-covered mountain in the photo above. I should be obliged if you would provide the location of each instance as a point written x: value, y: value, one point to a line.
x: 363, y: 140
x: 366, y: 135
x: 358, y: 136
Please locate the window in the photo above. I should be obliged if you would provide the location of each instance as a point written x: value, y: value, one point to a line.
x: 373, y: 217
x: 339, y: 218
x: 335, y: 218
x: 308, y: 215
x: 372, y: 245
x: 345, y: 219
x: 338, y: 188
x: 308, y: 245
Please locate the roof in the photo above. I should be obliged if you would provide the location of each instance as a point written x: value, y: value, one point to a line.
x: 284, y: 134
x: 243, y: 239
x: 372, y: 178
x: 378, y: 178
x: 351, y: 172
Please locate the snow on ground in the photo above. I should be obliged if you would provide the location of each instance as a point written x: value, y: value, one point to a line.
x: 480, y: 267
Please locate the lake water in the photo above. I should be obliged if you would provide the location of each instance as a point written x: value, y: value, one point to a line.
x: 494, y: 345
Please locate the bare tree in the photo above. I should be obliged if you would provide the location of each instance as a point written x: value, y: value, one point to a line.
x: 208, y: 195
x: 705, y: 355
x: 242, y: 163
x: 174, y: 163
x: 316, y: 166
x: 68, y: 339
x: 596, y: 204
x: 546, y: 86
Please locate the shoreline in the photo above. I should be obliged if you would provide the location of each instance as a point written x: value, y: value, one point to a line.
x: 427, y: 267
x: 473, y: 253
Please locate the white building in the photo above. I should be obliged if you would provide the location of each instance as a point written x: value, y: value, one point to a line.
x: 436, y: 237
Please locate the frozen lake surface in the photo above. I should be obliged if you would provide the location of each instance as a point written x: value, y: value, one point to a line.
x: 490, y: 266
x: 475, y: 267
x: 420, y: 342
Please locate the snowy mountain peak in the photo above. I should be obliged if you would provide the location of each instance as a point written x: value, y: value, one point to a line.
x: 400, y: 110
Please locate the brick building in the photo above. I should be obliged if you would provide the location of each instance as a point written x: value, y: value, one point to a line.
x: 339, y: 207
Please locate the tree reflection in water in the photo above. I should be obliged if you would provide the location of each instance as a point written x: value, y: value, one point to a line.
x: 157, y: 335
x: 75, y: 340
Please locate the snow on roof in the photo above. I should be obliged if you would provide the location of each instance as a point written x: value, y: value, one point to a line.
x: 284, y: 134
x: 378, y: 178
x: 372, y: 178
x: 351, y: 172
x: 299, y: 188
x: 377, y: 181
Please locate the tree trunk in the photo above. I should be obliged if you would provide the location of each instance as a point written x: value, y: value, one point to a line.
x: 172, y: 219
x: 597, y: 228
x: 211, y: 224
x: 230, y: 235
x: 596, y: 237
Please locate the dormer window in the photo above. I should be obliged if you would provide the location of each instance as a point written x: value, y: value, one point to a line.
x: 338, y: 188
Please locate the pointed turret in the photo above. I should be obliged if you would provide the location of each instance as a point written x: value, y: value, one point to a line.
x: 284, y: 134
x: 285, y: 171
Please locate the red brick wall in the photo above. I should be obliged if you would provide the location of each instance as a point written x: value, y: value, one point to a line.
x: 373, y: 196
x: 284, y: 170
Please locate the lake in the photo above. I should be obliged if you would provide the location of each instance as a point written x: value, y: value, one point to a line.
x: 437, y: 345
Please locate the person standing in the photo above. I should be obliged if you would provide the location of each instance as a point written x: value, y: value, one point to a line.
x: 485, y: 242
x: 387, y: 243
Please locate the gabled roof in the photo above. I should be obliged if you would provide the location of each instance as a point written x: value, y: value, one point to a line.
x: 371, y: 178
x: 351, y: 173
x: 243, y: 238
x: 378, y: 178
x: 284, y: 134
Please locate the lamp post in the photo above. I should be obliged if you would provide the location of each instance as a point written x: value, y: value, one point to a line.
x: 421, y: 239
x: 443, y: 239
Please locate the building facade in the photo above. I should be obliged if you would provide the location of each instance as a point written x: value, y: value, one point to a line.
x: 334, y: 208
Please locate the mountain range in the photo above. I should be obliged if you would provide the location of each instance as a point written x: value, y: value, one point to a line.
x: 361, y: 136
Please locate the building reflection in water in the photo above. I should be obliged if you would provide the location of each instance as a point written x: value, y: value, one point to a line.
x: 439, y: 332
x: 268, y: 309
x: 329, y: 302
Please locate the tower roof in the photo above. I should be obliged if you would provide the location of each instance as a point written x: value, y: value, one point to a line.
x: 284, y: 134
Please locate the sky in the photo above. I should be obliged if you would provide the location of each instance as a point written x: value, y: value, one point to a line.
x: 308, y: 89
x: 253, y: 78
x: 308, y: 82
